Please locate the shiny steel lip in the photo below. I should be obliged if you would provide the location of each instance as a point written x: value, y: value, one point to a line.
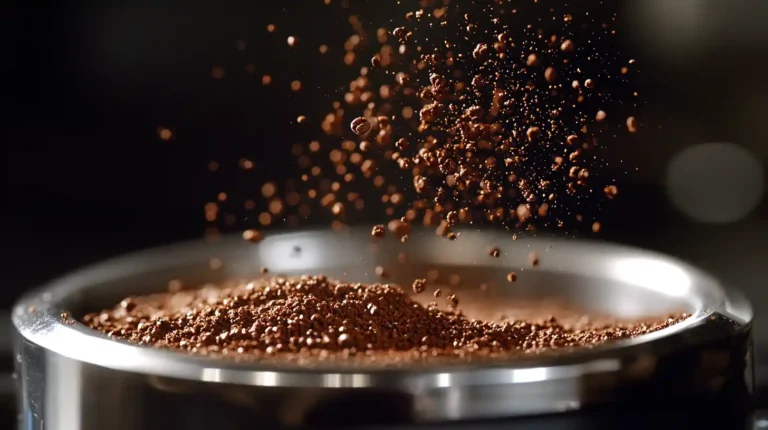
x: 45, y: 328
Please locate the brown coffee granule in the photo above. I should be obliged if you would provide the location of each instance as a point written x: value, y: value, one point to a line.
x: 511, y: 277
x: 533, y: 259
x: 437, y: 293
x: 550, y: 75
x: 453, y: 301
x: 360, y: 126
x: 611, y: 191
x: 345, y: 341
x: 523, y: 212
x: 378, y: 231
x: 252, y: 235
x: 495, y: 252
x: 312, y: 316
x: 533, y: 133
x: 164, y: 133
x: 601, y: 115
x: 128, y: 304
x: 419, y: 285
x: 452, y: 218
x: 632, y: 124
x: 380, y: 271
x: 481, y: 51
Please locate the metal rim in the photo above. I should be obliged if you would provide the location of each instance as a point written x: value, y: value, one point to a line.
x: 45, y: 328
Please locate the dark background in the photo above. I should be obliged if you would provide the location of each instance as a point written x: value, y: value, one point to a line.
x: 84, y: 88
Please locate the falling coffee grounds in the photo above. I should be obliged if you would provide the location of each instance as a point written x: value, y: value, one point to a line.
x: 315, y: 318
x: 447, y: 114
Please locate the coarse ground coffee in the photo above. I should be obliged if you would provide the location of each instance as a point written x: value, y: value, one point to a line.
x: 449, y: 113
x: 313, y: 318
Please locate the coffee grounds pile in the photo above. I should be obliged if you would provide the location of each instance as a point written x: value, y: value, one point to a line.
x: 315, y: 317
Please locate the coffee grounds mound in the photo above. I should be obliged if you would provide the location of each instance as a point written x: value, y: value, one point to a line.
x: 312, y: 317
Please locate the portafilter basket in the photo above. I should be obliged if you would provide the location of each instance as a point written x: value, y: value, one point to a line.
x: 72, y: 377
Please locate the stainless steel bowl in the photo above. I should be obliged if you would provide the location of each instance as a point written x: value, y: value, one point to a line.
x: 71, y: 377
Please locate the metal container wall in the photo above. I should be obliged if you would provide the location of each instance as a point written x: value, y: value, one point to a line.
x: 71, y: 377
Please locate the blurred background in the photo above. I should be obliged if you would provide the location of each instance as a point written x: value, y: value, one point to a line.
x: 85, y: 89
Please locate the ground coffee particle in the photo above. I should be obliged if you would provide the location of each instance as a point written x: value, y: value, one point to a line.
x: 550, y: 75
x: 376, y: 60
x: 567, y: 46
x: 632, y: 124
x: 128, y: 304
x: 533, y: 259
x: 495, y: 252
x: 419, y: 285
x: 453, y: 301
x: 378, y: 231
x: 252, y: 236
x: 511, y: 276
x: 315, y: 316
x: 360, y: 126
x: 611, y: 191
